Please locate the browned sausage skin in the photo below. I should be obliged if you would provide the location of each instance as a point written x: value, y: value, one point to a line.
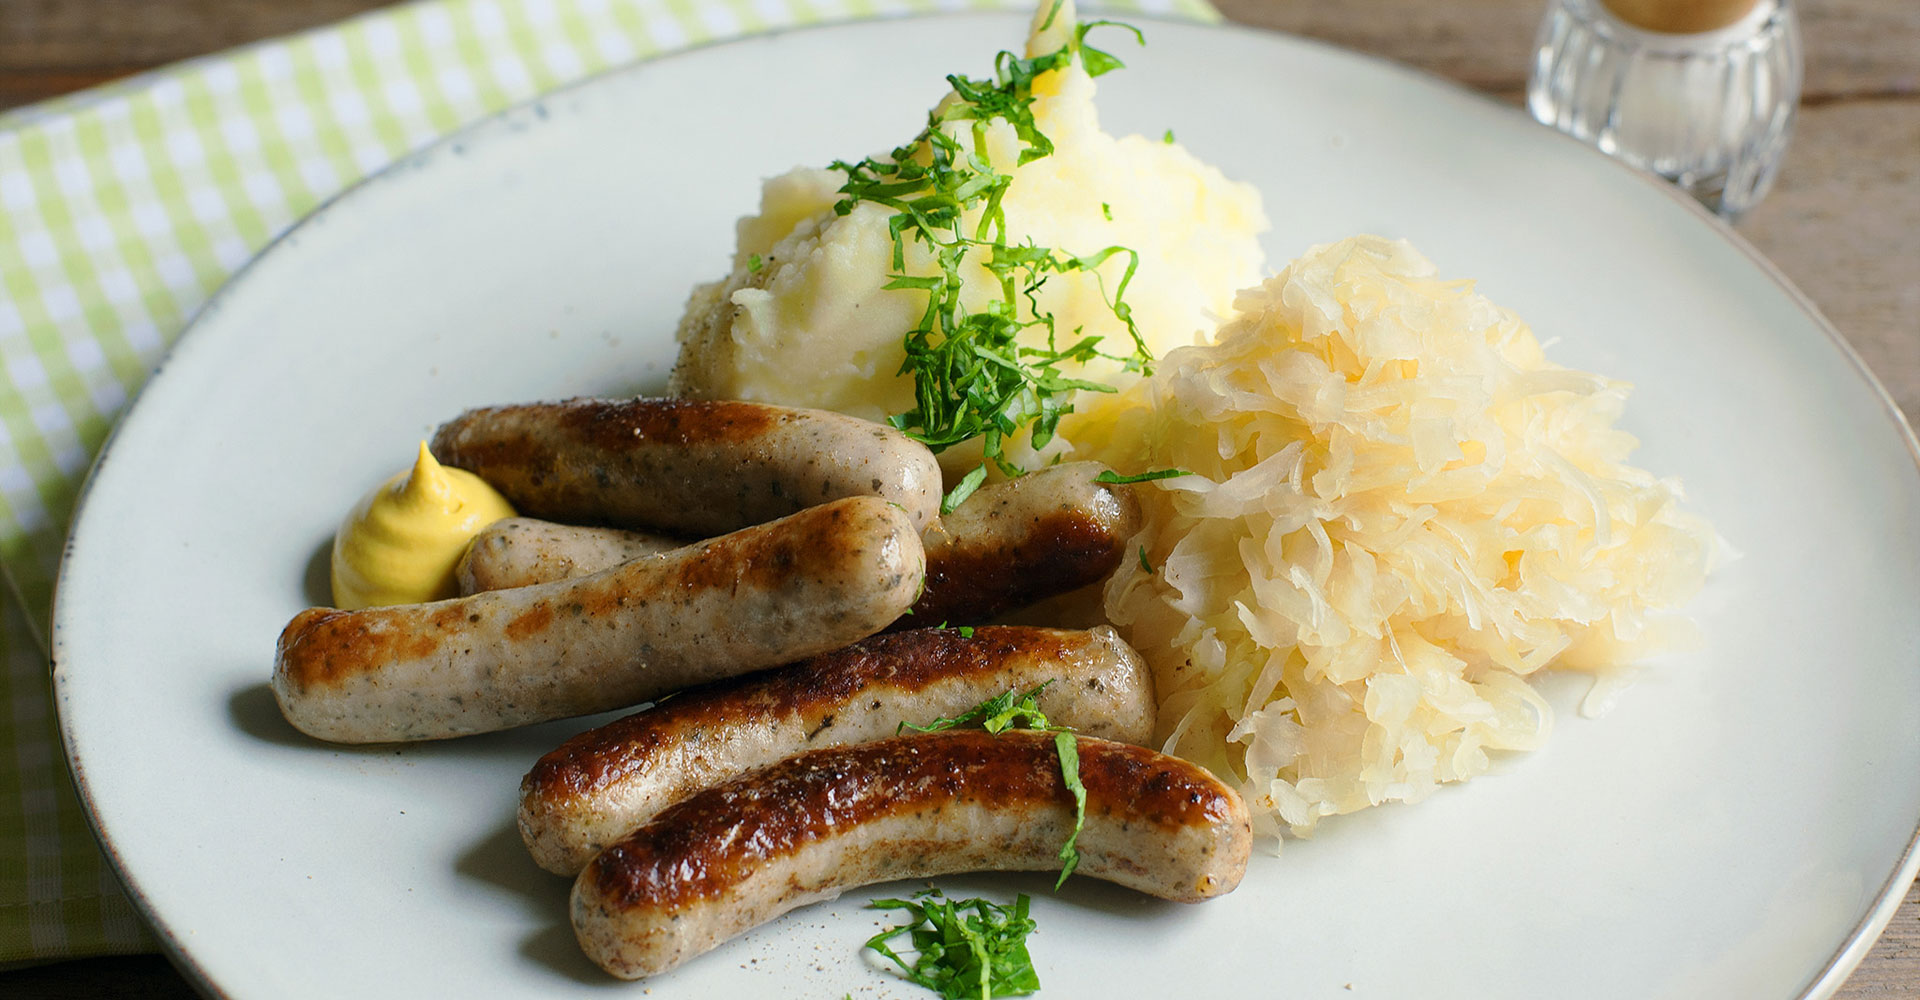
x: 756, y: 598
x: 737, y: 855
x: 1022, y: 540
x: 602, y: 784
x: 1010, y: 544
x: 685, y: 467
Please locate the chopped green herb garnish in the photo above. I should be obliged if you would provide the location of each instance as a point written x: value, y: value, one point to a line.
x: 1168, y: 138
x: 1107, y: 211
x: 972, y: 378
x: 963, y: 489
x: 1016, y: 710
x: 966, y: 631
x: 963, y: 949
x: 1144, y: 564
x: 1069, y: 751
x: 996, y: 715
x: 1096, y: 61
x: 754, y: 263
x: 1114, y: 478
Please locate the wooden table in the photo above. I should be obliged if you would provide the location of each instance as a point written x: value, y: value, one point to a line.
x: 1843, y: 222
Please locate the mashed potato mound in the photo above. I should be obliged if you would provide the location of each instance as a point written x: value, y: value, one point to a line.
x: 1399, y: 510
x: 803, y: 318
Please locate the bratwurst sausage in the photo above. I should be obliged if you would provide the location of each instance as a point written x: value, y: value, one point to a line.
x: 602, y: 784
x: 1016, y: 542
x: 685, y: 467
x: 737, y: 855
x: 522, y: 551
x: 1010, y: 544
x: 760, y: 597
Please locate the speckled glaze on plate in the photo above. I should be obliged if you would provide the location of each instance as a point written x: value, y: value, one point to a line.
x: 1740, y: 825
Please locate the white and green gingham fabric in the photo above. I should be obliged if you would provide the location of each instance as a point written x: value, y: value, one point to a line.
x: 123, y: 208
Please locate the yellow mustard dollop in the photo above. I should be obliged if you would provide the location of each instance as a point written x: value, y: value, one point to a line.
x: 401, y: 543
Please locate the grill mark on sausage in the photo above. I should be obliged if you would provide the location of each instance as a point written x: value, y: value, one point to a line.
x: 529, y: 623
x: 699, y: 848
x: 1065, y: 549
x: 509, y: 445
x: 613, y: 424
x: 351, y: 642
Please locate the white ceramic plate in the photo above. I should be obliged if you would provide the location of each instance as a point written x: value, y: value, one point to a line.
x: 1739, y: 826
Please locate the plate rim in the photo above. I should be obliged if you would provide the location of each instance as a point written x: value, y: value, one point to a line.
x: 493, y: 126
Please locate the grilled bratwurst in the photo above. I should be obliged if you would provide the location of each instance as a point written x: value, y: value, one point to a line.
x: 602, y: 784
x: 685, y: 467
x: 735, y: 856
x: 756, y: 598
x: 1016, y: 542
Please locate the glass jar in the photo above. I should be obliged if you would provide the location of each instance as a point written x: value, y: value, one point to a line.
x: 1710, y: 111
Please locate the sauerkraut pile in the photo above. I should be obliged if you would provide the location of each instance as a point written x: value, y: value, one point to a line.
x: 1399, y: 510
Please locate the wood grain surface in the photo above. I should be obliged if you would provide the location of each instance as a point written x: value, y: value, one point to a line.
x: 1843, y: 222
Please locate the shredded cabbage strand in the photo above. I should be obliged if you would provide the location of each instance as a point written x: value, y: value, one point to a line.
x: 1399, y: 510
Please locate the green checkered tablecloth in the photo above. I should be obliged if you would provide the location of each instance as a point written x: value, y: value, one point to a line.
x: 123, y: 208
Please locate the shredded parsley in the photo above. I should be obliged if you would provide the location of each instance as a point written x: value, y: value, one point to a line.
x: 754, y: 263
x: 972, y: 378
x: 962, y: 490
x: 1168, y: 138
x: 1144, y: 564
x: 1113, y: 478
x: 1017, y: 710
x: 1098, y: 62
x: 995, y: 715
x: 1069, y: 751
x: 964, y: 949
